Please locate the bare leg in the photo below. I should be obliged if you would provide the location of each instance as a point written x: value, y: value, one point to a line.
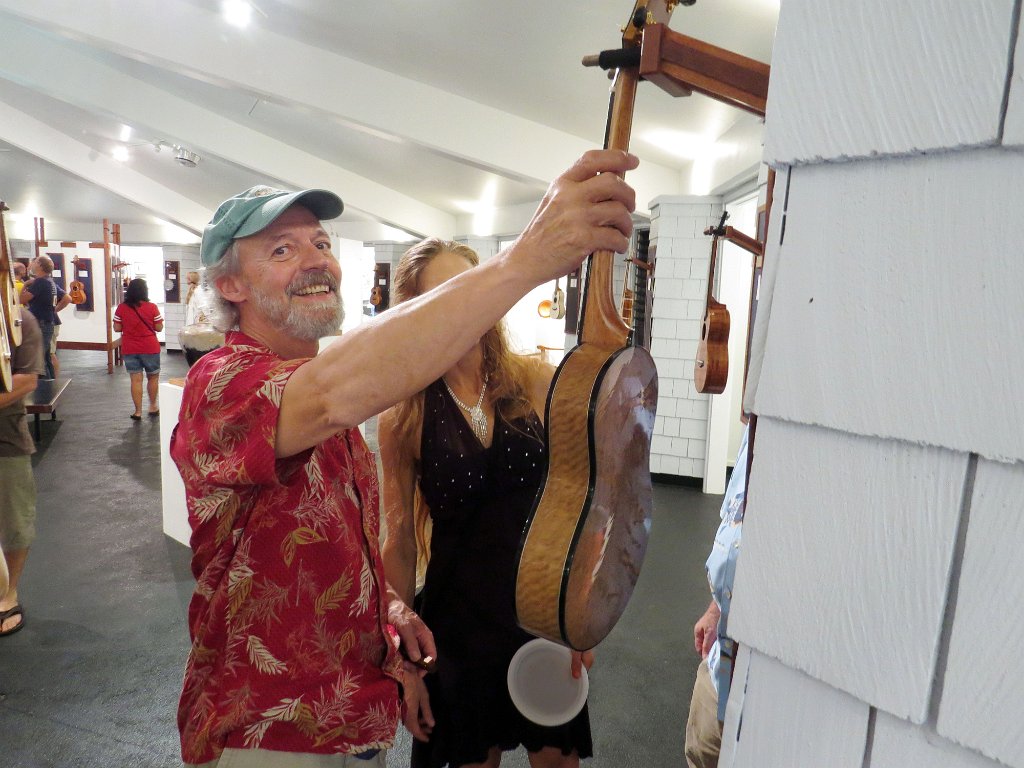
x: 153, y: 389
x: 15, y: 565
x: 5, y: 576
x: 55, y: 362
x: 552, y: 757
x: 137, y: 392
x: 493, y: 760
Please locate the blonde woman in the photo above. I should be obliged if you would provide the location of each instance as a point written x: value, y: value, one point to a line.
x: 462, y: 462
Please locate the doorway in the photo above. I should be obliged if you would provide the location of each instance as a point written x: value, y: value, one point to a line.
x: 735, y: 272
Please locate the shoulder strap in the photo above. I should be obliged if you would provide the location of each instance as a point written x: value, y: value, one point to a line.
x: 136, y: 311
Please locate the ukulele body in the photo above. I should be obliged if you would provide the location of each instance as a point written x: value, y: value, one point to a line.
x: 585, y: 539
x: 76, y: 292
x: 711, y: 366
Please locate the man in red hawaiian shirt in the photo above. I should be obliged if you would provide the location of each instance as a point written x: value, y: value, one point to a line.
x: 295, y: 634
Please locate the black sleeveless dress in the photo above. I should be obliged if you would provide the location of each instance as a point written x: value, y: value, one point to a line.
x: 479, y: 500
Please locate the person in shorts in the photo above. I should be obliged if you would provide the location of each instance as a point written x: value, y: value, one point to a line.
x: 18, y: 496
x: 138, y: 320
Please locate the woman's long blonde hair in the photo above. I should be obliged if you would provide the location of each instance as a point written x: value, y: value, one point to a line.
x: 508, y: 374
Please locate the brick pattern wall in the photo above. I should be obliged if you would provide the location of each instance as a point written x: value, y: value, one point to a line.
x: 683, y: 253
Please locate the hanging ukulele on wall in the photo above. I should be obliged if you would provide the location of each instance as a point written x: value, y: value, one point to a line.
x: 584, y: 542
x: 711, y: 368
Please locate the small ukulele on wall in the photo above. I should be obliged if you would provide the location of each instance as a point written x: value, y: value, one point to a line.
x: 711, y: 368
x: 558, y: 302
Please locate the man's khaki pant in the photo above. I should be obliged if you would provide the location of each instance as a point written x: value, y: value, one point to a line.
x: 703, y: 728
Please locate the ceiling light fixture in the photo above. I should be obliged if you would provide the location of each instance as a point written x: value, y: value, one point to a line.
x: 126, y: 132
x: 120, y: 154
x: 186, y: 157
x: 690, y: 146
x: 237, y: 13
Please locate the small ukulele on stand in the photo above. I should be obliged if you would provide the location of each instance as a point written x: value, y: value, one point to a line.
x: 711, y: 368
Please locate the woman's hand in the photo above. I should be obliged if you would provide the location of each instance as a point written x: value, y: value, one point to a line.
x: 581, y: 659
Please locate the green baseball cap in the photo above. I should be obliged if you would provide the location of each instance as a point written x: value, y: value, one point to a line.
x: 256, y: 209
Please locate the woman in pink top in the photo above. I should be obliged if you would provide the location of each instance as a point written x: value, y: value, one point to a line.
x: 138, y: 319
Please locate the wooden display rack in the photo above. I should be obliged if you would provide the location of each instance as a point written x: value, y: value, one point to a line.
x: 110, y: 293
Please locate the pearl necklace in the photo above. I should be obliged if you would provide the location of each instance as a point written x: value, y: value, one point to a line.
x: 477, y: 417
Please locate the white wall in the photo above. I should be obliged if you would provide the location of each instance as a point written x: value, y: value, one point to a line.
x: 880, y: 578
x: 187, y: 257
x: 147, y: 262
x: 76, y: 325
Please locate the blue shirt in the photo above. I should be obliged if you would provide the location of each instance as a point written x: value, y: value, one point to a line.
x: 721, y: 570
x: 44, y: 299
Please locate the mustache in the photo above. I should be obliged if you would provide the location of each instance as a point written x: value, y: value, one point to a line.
x: 310, y: 279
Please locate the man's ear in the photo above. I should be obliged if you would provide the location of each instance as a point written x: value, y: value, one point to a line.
x: 232, y: 288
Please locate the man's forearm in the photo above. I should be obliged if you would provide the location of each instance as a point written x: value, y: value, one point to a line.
x: 23, y: 384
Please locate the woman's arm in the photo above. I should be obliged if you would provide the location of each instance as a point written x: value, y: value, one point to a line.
x: 398, y: 489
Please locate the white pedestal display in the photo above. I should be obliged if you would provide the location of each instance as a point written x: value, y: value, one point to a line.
x: 173, y: 490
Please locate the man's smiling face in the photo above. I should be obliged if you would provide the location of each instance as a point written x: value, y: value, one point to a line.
x: 292, y: 277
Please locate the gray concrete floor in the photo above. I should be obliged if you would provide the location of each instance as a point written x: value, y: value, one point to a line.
x: 94, y: 677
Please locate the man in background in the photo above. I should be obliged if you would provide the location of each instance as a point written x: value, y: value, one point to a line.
x: 710, y: 638
x: 20, y: 273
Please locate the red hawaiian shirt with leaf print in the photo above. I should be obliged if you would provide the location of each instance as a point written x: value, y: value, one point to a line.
x: 290, y: 647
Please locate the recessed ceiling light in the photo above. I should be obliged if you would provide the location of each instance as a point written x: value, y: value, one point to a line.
x: 126, y: 132
x: 120, y: 154
x: 690, y: 146
x: 238, y: 13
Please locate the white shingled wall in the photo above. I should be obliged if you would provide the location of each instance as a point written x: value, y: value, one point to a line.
x: 878, y: 592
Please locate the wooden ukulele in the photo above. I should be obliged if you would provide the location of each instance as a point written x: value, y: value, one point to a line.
x: 711, y: 367
x: 586, y: 536
x: 76, y: 292
x: 376, y: 297
x: 557, y: 302
x: 10, y: 316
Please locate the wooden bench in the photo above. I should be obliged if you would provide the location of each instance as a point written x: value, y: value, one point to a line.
x: 44, y: 400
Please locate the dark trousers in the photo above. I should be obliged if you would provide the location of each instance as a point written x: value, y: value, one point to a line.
x: 47, y: 329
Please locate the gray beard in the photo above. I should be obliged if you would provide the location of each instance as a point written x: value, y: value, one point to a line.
x: 305, y: 323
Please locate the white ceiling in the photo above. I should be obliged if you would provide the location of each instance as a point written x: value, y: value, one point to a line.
x: 414, y: 111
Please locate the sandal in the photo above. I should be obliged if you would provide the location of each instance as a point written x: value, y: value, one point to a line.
x: 154, y: 414
x: 136, y: 417
x: 5, y: 615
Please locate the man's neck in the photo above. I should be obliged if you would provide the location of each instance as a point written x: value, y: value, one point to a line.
x: 277, y: 340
